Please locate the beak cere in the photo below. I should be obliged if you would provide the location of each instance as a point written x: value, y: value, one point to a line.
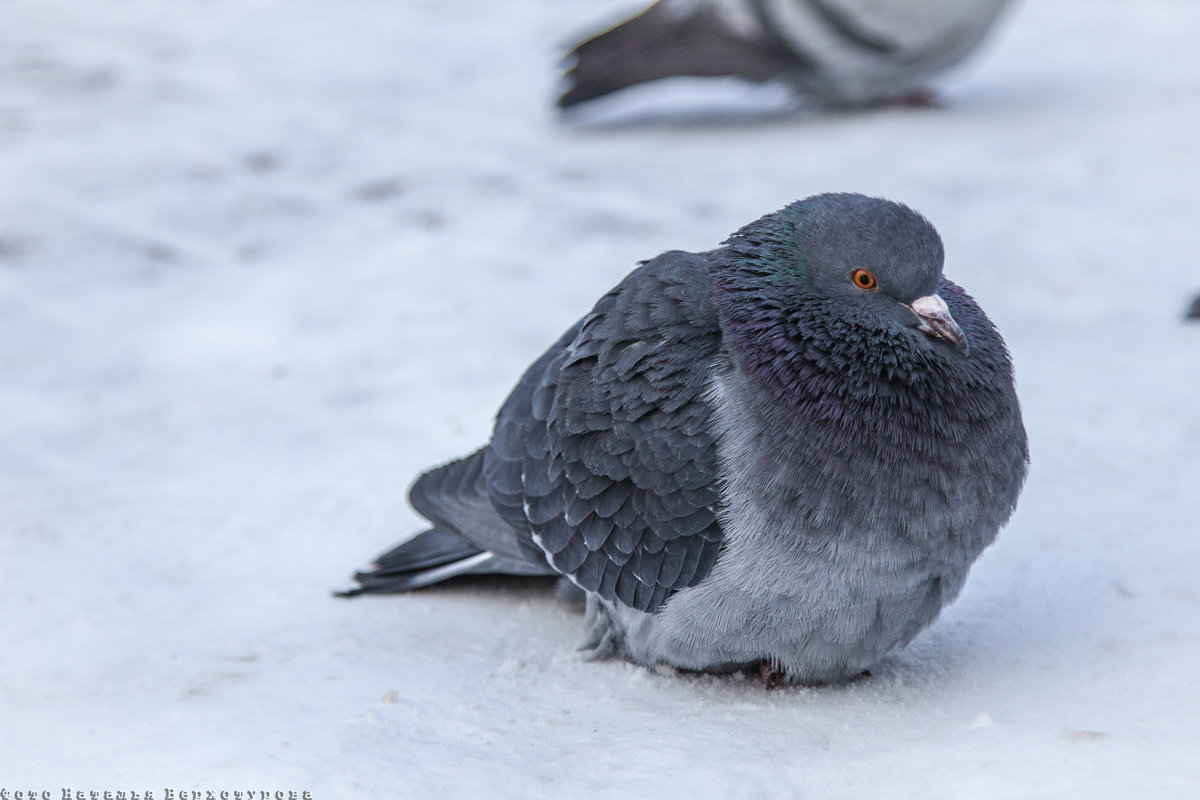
x: 935, y: 320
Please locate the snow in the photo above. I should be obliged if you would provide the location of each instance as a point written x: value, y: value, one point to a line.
x: 263, y: 261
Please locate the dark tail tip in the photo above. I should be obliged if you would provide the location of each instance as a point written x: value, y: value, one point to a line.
x: 613, y: 59
x: 585, y: 79
x: 412, y: 564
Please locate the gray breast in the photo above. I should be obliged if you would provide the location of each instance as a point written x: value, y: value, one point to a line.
x: 813, y: 586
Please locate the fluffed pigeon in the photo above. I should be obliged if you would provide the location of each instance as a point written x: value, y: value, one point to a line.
x: 783, y: 454
x: 833, y: 53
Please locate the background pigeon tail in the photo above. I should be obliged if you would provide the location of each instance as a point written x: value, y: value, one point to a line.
x: 660, y: 44
x: 432, y: 557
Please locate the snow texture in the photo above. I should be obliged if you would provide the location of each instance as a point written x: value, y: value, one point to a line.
x: 263, y: 261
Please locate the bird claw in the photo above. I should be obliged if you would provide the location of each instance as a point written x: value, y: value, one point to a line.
x: 601, y: 639
x: 770, y: 675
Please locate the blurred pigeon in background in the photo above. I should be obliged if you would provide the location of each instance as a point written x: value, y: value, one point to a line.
x: 1193, y: 311
x: 833, y: 53
x: 783, y: 454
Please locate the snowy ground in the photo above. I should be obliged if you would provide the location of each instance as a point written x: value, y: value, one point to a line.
x: 262, y: 261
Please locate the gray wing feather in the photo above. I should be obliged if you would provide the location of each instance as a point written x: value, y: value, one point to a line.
x: 609, y: 436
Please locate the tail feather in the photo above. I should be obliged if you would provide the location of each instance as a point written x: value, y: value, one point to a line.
x: 468, y: 537
x: 432, y: 557
x: 432, y: 548
x: 659, y: 43
x: 454, y: 497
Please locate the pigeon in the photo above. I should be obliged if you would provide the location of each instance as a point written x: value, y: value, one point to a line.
x: 1193, y: 311
x: 780, y: 455
x: 832, y: 53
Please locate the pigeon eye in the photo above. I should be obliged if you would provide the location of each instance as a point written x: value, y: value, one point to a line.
x: 863, y: 279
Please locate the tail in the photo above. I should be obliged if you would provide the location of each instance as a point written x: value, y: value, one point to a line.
x: 469, y: 537
x: 432, y: 557
x: 661, y: 43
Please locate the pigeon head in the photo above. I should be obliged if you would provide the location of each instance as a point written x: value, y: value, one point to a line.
x: 838, y: 283
x: 863, y: 261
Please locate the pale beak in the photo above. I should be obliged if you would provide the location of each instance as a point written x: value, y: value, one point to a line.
x: 935, y: 320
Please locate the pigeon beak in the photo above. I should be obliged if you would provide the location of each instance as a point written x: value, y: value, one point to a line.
x: 935, y: 320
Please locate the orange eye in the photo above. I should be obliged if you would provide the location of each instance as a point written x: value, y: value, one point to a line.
x: 863, y: 279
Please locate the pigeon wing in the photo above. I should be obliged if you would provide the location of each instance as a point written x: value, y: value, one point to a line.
x: 605, y: 450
